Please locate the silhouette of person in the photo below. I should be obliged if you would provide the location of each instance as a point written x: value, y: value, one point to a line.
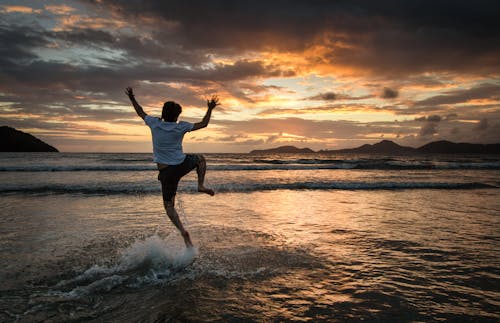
x: 173, y: 164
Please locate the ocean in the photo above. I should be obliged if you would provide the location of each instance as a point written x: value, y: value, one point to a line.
x: 287, y: 237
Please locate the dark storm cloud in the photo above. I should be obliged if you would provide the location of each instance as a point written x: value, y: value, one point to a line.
x: 21, y: 44
x: 136, y: 47
x: 22, y: 70
x: 230, y: 24
x: 93, y: 77
x: 44, y: 74
x: 332, y: 96
x: 17, y: 43
x: 374, y: 29
x: 389, y: 93
x: 85, y: 36
x: 327, y: 96
x: 432, y: 118
x: 387, y: 36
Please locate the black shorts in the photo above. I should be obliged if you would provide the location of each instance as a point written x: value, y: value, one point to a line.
x: 170, y: 176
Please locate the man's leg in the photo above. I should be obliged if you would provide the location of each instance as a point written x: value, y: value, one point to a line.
x: 174, y: 217
x: 201, y: 169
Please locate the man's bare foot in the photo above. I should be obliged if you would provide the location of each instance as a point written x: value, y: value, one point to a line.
x: 187, y: 239
x: 206, y: 190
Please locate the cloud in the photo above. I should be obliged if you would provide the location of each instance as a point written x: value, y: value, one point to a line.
x: 434, y: 118
x: 388, y: 37
x: 327, y: 96
x: 483, y: 124
x: 330, y: 108
x: 18, y: 43
x: 332, y: 96
x: 482, y: 91
x: 308, y: 129
x: 60, y: 9
x: 62, y: 67
x: 430, y: 126
x: 389, y: 93
x: 43, y: 83
x: 20, y: 9
x: 428, y: 129
x: 451, y: 116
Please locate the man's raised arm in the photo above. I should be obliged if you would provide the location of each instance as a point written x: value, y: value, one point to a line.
x: 211, y: 104
x: 137, y: 107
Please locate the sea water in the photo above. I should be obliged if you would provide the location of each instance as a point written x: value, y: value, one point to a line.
x: 286, y: 237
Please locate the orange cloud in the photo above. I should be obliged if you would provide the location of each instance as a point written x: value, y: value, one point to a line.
x: 20, y: 9
x: 59, y: 9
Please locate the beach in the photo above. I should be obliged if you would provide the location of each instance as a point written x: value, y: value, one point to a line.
x: 287, y: 237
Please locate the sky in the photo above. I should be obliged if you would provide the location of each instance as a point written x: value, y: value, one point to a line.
x: 309, y: 73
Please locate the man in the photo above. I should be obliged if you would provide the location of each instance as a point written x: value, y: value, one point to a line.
x: 172, y: 163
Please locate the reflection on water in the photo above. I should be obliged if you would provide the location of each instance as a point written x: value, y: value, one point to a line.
x: 416, y: 255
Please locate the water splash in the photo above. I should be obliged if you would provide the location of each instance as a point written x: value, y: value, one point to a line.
x: 149, y: 261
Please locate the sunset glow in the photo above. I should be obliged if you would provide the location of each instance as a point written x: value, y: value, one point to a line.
x: 315, y: 74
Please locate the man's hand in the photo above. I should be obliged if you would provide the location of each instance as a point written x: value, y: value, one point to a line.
x: 129, y: 92
x: 138, y: 109
x: 213, y: 102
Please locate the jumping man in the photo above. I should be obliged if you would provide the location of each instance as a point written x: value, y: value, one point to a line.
x: 172, y: 163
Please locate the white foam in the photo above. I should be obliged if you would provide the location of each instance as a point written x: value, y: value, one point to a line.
x: 148, y: 261
x: 155, y: 253
x: 102, y: 285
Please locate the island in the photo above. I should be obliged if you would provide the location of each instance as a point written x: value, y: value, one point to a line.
x: 388, y: 147
x: 448, y: 147
x: 383, y: 147
x: 283, y: 150
x: 14, y: 140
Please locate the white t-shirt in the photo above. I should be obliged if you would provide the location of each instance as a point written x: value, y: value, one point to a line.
x: 167, y: 140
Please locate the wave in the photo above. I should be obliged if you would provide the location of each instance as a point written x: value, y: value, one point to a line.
x: 76, y: 168
x: 237, y: 167
x: 383, y: 163
x: 127, y: 160
x: 250, y: 187
x: 226, y: 167
x: 302, y: 161
x: 271, y: 165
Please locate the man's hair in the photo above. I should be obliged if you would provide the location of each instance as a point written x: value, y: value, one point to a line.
x: 171, y: 111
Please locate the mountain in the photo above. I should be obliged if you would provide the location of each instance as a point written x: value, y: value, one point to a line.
x: 283, y: 149
x: 14, y: 140
x: 437, y: 147
x: 383, y: 147
x: 448, y: 147
x: 388, y: 147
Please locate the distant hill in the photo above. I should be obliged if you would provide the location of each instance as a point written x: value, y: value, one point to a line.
x: 388, y: 147
x: 17, y: 141
x: 436, y: 147
x: 448, y: 147
x: 283, y: 149
x: 383, y: 147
